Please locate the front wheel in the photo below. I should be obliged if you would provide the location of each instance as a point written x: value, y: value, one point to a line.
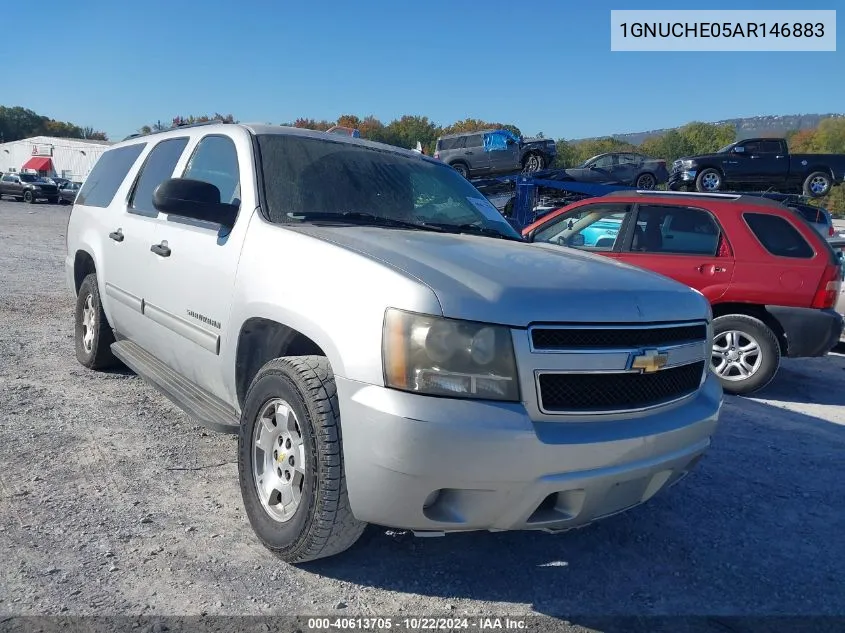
x: 53, y: 200
x: 709, y: 181
x: 817, y: 184
x: 746, y: 353
x: 290, y: 461
x: 28, y: 197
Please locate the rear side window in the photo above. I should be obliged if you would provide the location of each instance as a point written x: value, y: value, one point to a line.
x: 107, y: 175
x: 158, y: 167
x: 476, y: 140
x: 451, y: 143
x: 778, y: 236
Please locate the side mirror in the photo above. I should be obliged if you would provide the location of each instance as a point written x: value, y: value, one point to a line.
x: 194, y: 199
x: 510, y: 141
x: 577, y: 240
x: 739, y: 150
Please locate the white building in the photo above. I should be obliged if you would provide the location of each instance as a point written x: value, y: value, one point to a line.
x: 70, y: 158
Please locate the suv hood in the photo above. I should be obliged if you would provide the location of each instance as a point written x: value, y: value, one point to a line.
x: 512, y: 283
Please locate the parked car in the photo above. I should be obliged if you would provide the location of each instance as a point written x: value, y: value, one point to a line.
x: 619, y: 168
x: 772, y: 279
x: 28, y: 188
x: 68, y: 192
x: 344, y: 131
x: 422, y: 325
x: 838, y: 244
x: 760, y: 163
x: 490, y: 152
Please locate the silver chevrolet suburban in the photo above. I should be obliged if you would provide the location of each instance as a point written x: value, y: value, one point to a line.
x: 385, y: 345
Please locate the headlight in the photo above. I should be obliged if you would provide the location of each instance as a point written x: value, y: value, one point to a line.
x: 686, y: 164
x: 445, y: 357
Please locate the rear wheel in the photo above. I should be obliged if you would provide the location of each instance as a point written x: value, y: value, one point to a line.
x: 461, y: 168
x: 290, y: 461
x: 817, y: 184
x: 646, y: 181
x: 93, y: 333
x: 746, y: 353
x: 28, y: 197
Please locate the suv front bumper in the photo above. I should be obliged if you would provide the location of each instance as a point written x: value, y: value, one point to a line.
x: 439, y: 464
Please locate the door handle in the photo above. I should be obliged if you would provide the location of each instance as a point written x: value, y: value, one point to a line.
x: 710, y: 269
x: 467, y: 153
x: 117, y: 235
x: 162, y: 250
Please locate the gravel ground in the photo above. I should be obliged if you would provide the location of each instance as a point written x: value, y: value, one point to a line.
x: 112, y: 501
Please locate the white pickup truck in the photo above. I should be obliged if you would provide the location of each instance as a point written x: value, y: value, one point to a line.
x: 386, y: 346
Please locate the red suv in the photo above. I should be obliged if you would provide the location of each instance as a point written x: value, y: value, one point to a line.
x: 771, y: 278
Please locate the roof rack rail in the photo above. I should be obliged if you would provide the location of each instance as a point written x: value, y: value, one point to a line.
x: 690, y: 194
x: 739, y: 196
x: 178, y: 126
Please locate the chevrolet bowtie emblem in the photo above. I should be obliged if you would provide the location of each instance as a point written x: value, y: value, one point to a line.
x: 650, y: 361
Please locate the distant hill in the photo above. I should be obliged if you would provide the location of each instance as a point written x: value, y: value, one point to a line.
x: 772, y: 125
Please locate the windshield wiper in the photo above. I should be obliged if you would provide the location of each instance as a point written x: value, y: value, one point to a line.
x: 475, y: 230
x: 363, y: 219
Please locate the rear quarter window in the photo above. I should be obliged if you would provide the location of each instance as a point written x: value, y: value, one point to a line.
x: 107, y: 175
x: 778, y: 236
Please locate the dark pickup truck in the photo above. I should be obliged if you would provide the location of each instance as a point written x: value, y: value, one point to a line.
x: 28, y: 188
x: 759, y: 163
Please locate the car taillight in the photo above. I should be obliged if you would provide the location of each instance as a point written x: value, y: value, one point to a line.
x: 828, y: 291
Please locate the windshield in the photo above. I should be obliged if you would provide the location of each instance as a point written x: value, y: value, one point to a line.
x: 30, y: 178
x: 305, y: 175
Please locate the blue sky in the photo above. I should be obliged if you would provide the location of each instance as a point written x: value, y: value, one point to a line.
x: 545, y: 66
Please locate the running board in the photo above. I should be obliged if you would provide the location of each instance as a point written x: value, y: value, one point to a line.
x: 208, y: 410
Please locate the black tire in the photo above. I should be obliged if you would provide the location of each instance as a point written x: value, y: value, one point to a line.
x: 98, y: 355
x: 323, y: 524
x: 818, y: 184
x: 533, y: 162
x: 28, y: 197
x: 753, y: 329
x: 461, y: 168
x: 707, y: 176
x: 54, y: 200
x: 646, y: 181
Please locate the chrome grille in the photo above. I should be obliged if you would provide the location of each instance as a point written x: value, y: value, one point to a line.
x: 550, y: 339
x: 601, y: 392
x: 598, y: 369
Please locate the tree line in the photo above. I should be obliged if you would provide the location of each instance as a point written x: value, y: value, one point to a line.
x: 406, y: 131
x: 17, y: 123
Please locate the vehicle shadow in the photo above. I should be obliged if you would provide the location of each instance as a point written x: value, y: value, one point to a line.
x: 808, y: 381
x: 742, y: 535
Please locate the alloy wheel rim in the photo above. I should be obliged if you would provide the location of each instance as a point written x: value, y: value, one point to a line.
x: 736, y: 355
x: 646, y: 182
x: 278, y: 460
x: 710, y: 182
x: 818, y: 185
x: 89, y: 321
